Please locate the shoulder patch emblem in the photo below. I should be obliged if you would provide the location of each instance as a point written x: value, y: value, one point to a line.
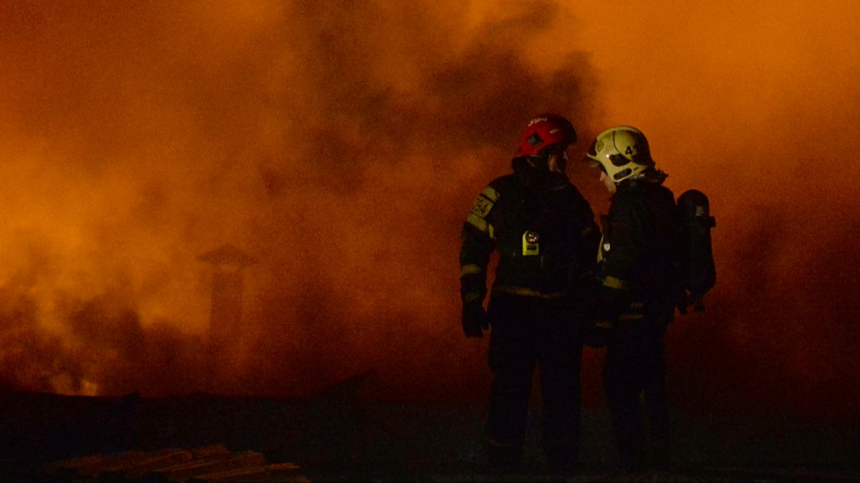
x: 482, y: 206
x: 484, y: 203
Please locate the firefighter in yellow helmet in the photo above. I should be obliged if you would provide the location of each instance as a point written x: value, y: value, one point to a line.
x: 638, y: 288
x: 546, y: 237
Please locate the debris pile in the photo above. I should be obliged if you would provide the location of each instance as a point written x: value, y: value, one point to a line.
x: 207, y: 464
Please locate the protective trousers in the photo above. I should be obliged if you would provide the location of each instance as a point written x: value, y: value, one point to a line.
x: 635, y: 365
x: 529, y: 332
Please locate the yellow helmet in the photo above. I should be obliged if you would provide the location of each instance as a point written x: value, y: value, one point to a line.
x: 622, y: 152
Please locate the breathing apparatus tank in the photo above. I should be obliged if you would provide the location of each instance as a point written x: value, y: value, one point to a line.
x: 698, y: 274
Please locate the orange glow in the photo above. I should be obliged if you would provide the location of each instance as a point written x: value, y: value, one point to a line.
x: 342, y: 146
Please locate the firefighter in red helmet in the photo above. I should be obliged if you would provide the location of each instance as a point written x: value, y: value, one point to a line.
x: 546, y: 237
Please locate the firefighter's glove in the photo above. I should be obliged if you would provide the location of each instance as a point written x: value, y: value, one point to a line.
x: 698, y: 303
x: 688, y: 299
x: 474, y: 319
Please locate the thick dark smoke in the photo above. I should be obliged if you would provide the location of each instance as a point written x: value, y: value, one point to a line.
x: 341, y: 144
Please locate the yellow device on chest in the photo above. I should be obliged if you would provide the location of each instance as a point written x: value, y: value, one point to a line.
x: 531, y: 246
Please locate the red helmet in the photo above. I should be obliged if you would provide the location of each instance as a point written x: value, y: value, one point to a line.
x: 545, y: 131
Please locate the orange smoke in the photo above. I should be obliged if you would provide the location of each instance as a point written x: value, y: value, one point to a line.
x: 337, y: 146
x: 755, y: 105
x: 341, y: 146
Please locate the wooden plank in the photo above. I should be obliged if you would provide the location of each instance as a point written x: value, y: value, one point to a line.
x: 278, y: 467
x: 252, y: 473
x: 207, y: 451
x: 138, y: 469
x: 210, y: 465
x: 132, y: 459
x: 108, y: 461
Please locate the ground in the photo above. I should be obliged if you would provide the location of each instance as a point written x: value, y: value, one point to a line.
x: 341, y: 437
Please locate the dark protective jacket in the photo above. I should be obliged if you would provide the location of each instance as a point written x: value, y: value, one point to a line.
x: 542, y: 228
x: 641, y: 243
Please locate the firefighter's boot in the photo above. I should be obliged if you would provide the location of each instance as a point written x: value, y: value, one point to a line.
x: 561, y: 459
x: 504, y: 459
